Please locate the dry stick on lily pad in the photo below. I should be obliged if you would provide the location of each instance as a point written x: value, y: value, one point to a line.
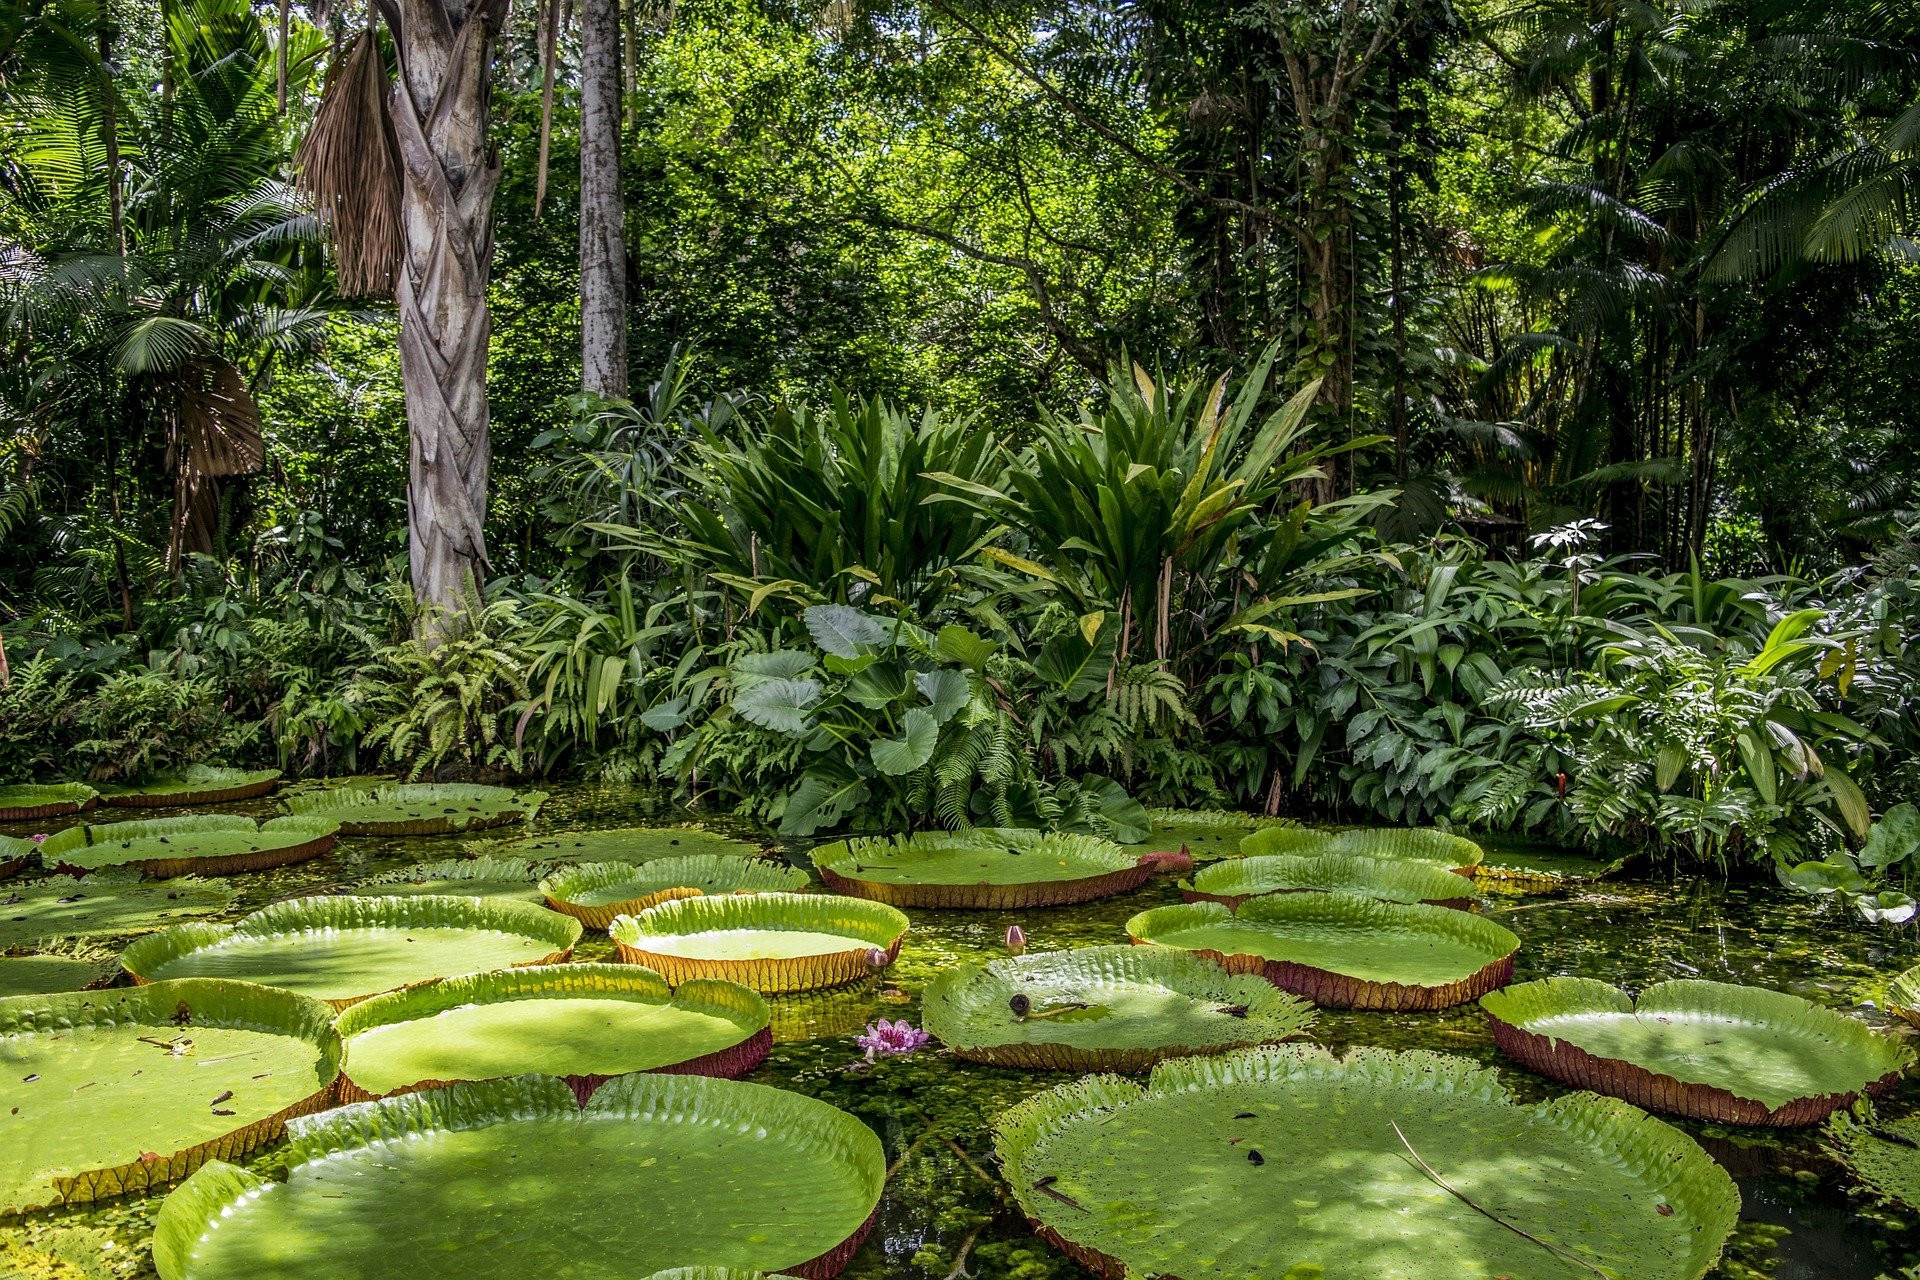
x: 1105, y: 1009
x: 193, y: 844
x: 772, y: 942
x: 654, y: 1171
x: 514, y: 878
x: 586, y: 1023
x: 983, y: 869
x: 115, y: 1091
x: 1203, y: 834
x: 631, y: 844
x: 1153, y: 1168
x: 27, y: 802
x: 418, y: 808
x: 596, y: 893
x: 195, y: 784
x: 1417, y: 844
x: 343, y: 949
x: 1708, y: 1050
x: 1232, y: 882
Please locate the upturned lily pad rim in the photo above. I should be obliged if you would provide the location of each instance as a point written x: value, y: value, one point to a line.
x: 662, y: 879
x: 216, y: 1002
x: 1418, y: 844
x: 503, y: 806
x: 27, y: 801
x: 1233, y: 880
x: 1095, y: 868
x: 1903, y: 995
x: 16, y: 855
x: 835, y: 1136
x: 953, y: 1002
x: 88, y: 847
x: 502, y: 870
x: 1518, y: 1016
x: 880, y: 928
x: 1690, y: 1180
x: 713, y: 841
x: 196, y: 784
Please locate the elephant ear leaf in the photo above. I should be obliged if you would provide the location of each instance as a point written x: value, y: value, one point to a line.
x: 946, y: 692
x: 820, y: 799
x: 957, y: 644
x: 779, y: 705
x: 913, y: 748
x: 1076, y: 666
x: 878, y: 685
x: 1893, y: 839
x: 841, y: 629
x: 776, y: 664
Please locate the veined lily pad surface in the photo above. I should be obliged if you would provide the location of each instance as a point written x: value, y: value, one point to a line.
x: 107, y: 904
x: 195, y: 844
x: 342, y: 949
x: 512, y: 1179
x: 1342, y: 951
x: 632, y: 844
x: 595, y: 893
x: 1883, y: 1154
x: 1903, y: 995
x: 1206, y: 834
x: 1105, y: 1009
x: 983, y: 868
x: 1389, y: 879
x: 418, y: 808
x: 28, y: 801
x: 514, y: 878
x: 583, y: 1022
x: 195, y: 784
x: 111, y: 1091
x: 1418, y: 844
x: 771, y: 942
x: 1284, y: 1161
x: 1710, y: 1050
x: 43, y: 975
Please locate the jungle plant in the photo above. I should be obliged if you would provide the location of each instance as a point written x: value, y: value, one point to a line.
x: 445, y: 696
x: 143, y: 722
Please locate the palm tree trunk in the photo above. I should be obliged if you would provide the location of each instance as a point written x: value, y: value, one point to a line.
x: 603, y: 253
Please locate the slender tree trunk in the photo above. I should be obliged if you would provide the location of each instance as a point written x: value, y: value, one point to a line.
x: 280, y: 68
x: 110, y: 139
x: 603, y: 251
x: 439, y: 109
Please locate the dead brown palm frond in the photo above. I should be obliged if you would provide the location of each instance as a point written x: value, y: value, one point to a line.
x: 349, y: 163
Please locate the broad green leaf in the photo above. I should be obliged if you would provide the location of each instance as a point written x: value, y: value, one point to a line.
x: 1668, y: 764
x: 879, y: 685
x: 1848, y: 799
x: 1031, y: 568
x: 1894, y: 839
x: 779, y: 705
x: 957, y: 644
x: 919, y: 733
x: 776, y: 664
x: 1073, y: 666
x: 842, y: 629
x: 946, y: 692
x: 1758, y: 759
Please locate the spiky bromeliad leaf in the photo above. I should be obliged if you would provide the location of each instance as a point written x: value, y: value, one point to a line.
x: 1418, y: 844
x: 413, y: 1186
x: 1320, y: 1160
x: 919, y: 732
x: 194, y: 844
x: 1709, y: 1050
x: 418, y: 808
x: 1206, y: 834
x: 984, y: 867
x: 29, y: 801
x: 342, y: 949
x: 631, y: 844
x: 1105, y: 1009
x: 585, y: 1023
x: 107, y: 904
x: 195, y: 784
x: 595, y: 893
x: 515, y: 878
x: 843, y: 630
x: 1343, y: 951
x: 1233, y: 881
x: 779, y: 705
x: 772, y: 942
x: 181, y: 1072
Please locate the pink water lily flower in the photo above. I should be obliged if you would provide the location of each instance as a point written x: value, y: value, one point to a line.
x: 1016, y: 940
x: 891, y: 1038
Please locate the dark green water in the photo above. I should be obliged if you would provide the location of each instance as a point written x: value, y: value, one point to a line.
x: 944, y: 1215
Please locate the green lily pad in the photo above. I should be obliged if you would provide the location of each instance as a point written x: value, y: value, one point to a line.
x: 43, y: 975
x: 418, y: 808
x: 1883, y: 1154
x: 1104, y: 1009
x: 1516, y: 872
x: 1342, y: 951
x: 1206, y: 834
x: 586, y: 1023
x: 1709, y: 1050
x: 771, y: 942
x: 195, y: 784
x: 342, y: 948
x: 632, y: 844
x: 1419, y: 844
x: 193, y: 845
x: 595, y: 893
x: 112, y: 1091
x: 28, y: 801
x: 982, y: 869
x: 1903, y: 996
x: 16, y: 855
x: 1388, y: 879
x: 107, y: 904
x: 509, y: 1179
x: 1287, y: 1162
x: 514, y: 878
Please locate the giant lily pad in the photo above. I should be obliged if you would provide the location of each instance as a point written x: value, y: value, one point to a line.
x: 107, y: 904
x: 113, y: 1091
x: 1233, y: 881
x: 632, y: 844
x: 43, y: 975
x: 586, y: 1023
x: 195, y: 784
x: 1883, y: 1154
x: 1205, y: 834
x: 342, y: 949
x: 1709, y: 1050
x: 513, y: 878
x: 16, y: 855
x: 193, y: 845
x: 28, y: 801
x: 418, y: 808
x: 594, y: 893
x: 1418, y: 844
x: 1287, y: 1162
x: 984, y: 868
x: 1104, y: 1009
x: 1342, y: 951
x: 508, y: 1179
x: 1517, y: 872
x: 768, y: 941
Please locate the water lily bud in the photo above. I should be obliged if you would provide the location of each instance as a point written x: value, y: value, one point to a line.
x: 1016, y: 940
x: 876, y: 958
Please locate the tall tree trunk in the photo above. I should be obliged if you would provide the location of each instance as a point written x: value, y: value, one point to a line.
x: 439, y: 109
x: 603, y: 251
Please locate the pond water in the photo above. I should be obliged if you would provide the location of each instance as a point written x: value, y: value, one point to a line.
x: 945, y: 1215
